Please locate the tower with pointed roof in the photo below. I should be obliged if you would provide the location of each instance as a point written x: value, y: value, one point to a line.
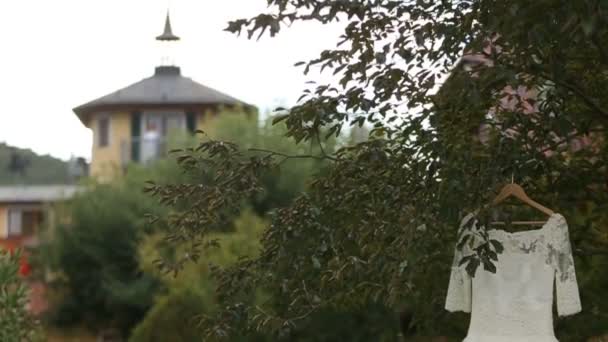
x: 132, y: 124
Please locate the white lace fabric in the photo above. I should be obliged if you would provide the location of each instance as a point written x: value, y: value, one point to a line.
x: 515, y: 304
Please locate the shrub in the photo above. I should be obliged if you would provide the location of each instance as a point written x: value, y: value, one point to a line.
x: 190, y: 294
x: 16, y: 324
x: 95, y: 257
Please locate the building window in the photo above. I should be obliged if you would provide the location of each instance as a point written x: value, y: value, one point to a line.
x: 23, y: 222
x: 30, y: 221
x: 103, y: 131
x: 15, y: 222
x: 156, y: 128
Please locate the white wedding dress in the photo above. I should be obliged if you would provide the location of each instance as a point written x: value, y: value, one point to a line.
x: 515, y: 304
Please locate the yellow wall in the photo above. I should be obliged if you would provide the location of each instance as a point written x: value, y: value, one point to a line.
x: 204, y: 121
x: 207, y: 119
x: 106, y: 161
x: 3, y: 221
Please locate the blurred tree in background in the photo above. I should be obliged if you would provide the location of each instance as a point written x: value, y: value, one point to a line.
x: 23, y: 166
x: 99, y: 283
x: 379, y: 224
x: 191, y: 293
x: 281, y: 185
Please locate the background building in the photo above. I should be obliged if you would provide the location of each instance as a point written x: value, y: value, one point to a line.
x: 132, y: 124
x: 24, y: 211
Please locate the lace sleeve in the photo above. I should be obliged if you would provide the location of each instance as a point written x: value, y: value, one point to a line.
x: 566, y: 286
x: 459, y: 288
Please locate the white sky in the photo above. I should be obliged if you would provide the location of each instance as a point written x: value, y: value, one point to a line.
x: 58, y: 54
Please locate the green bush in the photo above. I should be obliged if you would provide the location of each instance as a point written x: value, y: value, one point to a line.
x: 191, y: 292
x: 173, y: 317
x: 94, y: 255
x: 16, y: 324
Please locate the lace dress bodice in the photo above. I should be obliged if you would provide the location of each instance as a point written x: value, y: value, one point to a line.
x: 515, y: 304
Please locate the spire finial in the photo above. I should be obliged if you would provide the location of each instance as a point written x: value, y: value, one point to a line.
x: 168, y: 33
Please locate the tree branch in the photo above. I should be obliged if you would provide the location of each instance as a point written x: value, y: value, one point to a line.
x: 320, y: 145
x: 288, y: 156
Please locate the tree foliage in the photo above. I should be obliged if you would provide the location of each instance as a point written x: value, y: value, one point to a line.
x: 380, y: 224
x: 190, y: 294
x: 282, y: 184
x: 23, y: 166
x: 98, y: 282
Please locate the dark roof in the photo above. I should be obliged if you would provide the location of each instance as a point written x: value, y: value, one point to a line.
x: 166, y: 87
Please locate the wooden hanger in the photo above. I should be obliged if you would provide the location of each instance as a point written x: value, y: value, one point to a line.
x: 515, y: 190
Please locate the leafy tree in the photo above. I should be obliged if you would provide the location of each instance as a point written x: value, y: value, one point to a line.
x: 380, y: 224
x: 16, y: 322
